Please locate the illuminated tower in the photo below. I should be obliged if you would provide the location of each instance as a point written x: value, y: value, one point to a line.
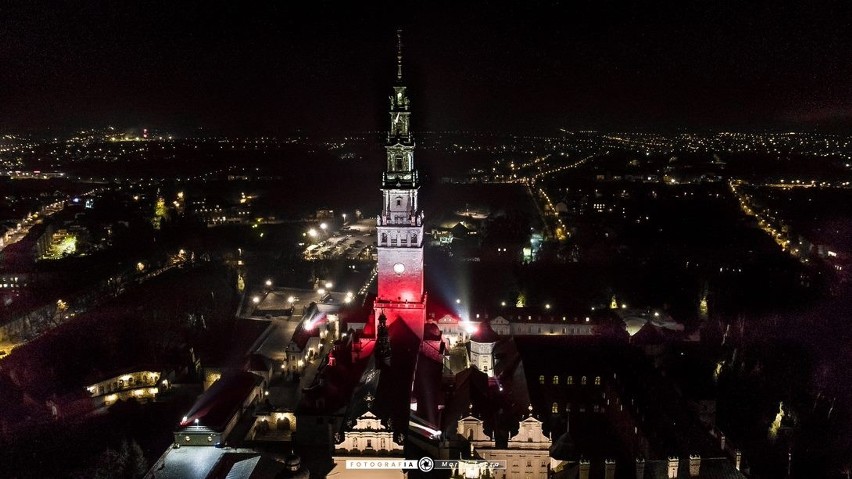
x: 400, y: 225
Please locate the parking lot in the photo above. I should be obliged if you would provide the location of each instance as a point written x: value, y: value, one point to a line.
x: 356, y: 242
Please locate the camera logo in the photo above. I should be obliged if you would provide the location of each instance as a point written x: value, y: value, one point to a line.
x: 425, y: 464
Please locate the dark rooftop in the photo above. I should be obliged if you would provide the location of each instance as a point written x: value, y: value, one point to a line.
x: 215, y: 408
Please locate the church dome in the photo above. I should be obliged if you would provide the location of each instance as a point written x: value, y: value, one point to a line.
x: 293, y: 462
x: 485, y: 333
x: 293, y: 468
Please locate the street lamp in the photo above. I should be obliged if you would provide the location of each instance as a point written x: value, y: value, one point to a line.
x: 255, y: 299
x: 268, y: 283
x: 323, y: 226
x: 328, y: 284
x: 312, y: 233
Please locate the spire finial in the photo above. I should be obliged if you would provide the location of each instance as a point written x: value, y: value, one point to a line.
x: 399, y: 54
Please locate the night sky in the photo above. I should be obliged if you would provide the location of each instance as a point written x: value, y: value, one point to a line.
x: 272, y: 67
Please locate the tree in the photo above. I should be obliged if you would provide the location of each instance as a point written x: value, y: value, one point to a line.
x: 128, y: 462
x: 136, y: 465
x: 110, y: 464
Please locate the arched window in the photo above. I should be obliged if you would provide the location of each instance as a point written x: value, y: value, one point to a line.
x: 583, y: 380
x: 384, y: 237
x: 541, y: 379
x: 570, y: 380
x: 554, y: 408
x: 555, y: 379
x: 399, y: 200
x: 398, y: 163
x: 597, y: 380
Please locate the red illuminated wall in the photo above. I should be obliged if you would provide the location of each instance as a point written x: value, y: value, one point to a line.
x: 401, y: 295
x: 407, y: 286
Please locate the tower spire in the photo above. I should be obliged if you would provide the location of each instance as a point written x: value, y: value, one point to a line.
x: 399, y: 54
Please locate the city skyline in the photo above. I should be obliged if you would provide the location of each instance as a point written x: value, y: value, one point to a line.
x: 633, y: 268
x: 280, y: 69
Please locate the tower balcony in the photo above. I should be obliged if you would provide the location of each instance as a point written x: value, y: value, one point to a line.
x: 382, y: 303
x: 397, y: 139
x: 412, y: 219
x: 405, y: 179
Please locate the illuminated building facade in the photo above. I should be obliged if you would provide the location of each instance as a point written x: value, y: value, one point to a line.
x: 527, y: 453
x: 400, y: 225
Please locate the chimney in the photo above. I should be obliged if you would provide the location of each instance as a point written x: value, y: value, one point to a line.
x: 694, y: 465
x: 738, y: 459
x: 640, y: 468
x: 609, y: 468
x: 584, y: 468
x: 672, y: 469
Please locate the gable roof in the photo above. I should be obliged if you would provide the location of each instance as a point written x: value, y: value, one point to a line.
x: 216, y: 406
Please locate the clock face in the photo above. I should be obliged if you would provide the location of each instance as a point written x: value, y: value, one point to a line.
x: 398, y: 268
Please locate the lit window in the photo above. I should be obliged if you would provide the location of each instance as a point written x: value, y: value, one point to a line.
x: 570, y: 380
x: 583, y: 380
x: 541, y: 379
x: 597, y: 380
x: 554, y: 408
x: 555, y: 379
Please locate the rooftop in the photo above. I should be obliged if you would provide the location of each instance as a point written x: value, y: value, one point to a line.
x: 216, y: 406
